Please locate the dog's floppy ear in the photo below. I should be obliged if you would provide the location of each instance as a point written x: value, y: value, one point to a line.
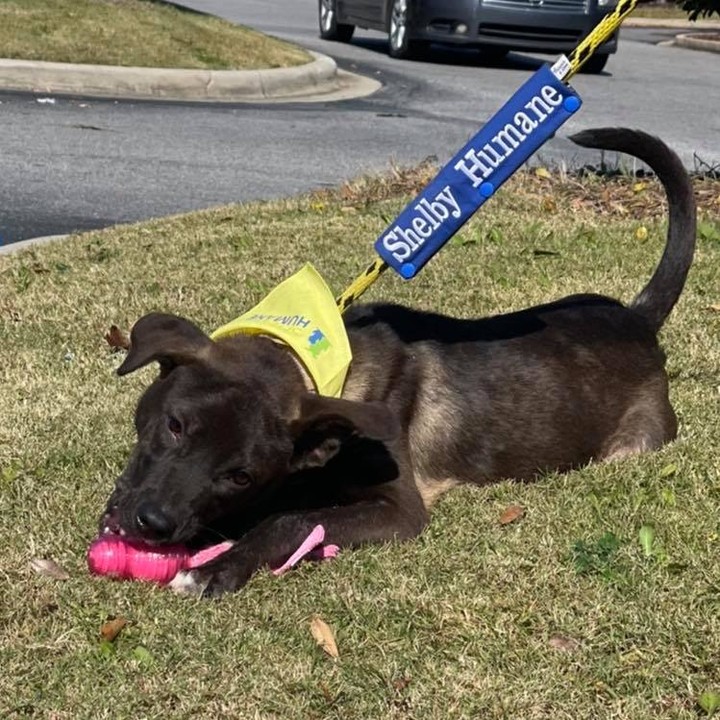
x: 326, y: 423
x: 169, y: 339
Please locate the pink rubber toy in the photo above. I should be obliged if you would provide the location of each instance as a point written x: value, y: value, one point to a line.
x: 130, y: 560
x: 133, y: 560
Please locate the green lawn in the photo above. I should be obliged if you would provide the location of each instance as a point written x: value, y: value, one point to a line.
x: 141, y: 33
x: 560, y: 615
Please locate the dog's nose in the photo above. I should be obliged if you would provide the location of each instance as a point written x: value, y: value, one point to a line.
x: 152, y: 521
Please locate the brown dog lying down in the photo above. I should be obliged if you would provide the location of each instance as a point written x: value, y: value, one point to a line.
x: 231, y: 444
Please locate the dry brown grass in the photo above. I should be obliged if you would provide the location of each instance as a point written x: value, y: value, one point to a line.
x: 615, y: 191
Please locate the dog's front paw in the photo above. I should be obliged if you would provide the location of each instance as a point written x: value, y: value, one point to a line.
x: 186, y: 583
x: 211, y: 580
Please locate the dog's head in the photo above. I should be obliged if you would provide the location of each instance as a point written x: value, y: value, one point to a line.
x: 221, y: 426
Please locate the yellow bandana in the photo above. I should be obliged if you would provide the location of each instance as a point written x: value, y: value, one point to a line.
x: 301, y: 311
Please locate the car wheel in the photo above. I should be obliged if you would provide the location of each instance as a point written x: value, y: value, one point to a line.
x: 595, y: 64
x: 399, y: 27
x: 330, y: 28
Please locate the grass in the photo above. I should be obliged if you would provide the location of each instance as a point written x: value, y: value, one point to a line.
x: 569, y: 612
x: 138, y: 33
x: 662, y: 11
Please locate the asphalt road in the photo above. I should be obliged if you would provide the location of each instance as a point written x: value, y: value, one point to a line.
x: 77, y: 164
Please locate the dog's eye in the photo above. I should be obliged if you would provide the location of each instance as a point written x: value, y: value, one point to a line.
x: 239, y: 478
x: 174, y: 426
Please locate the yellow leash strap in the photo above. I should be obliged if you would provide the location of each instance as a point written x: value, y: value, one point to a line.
x: 361, y: 283
x: 599, y: 34
x: 564, y: 69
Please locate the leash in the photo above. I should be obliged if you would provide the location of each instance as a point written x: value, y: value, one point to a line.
x: 302, y: 313
x: 407, y: 248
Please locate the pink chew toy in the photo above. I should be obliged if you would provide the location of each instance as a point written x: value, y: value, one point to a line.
x: 134, y: 560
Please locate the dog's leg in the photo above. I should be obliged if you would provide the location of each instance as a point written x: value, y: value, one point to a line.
x: 276, y: 538
x: 648, y: 424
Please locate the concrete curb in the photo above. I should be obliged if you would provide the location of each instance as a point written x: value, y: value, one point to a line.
x: 319, y: 77
x: 30, y: 242
x: 696, y: 42
x: 640, y: 22
x: 319, y: 80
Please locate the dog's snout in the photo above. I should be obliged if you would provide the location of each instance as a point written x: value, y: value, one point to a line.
x: 153, y: 522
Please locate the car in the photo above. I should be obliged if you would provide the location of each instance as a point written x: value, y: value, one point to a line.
x: 493, y: 26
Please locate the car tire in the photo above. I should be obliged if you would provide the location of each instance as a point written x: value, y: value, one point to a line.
x: 330, y: 28
x: 398, y: 28
x: 595, y: 64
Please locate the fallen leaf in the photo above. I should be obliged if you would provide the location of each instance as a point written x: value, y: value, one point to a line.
x: 713, y: 308
x: 49, y: 568
x: 549, y: 205
x: 639, y: 187
x: 543, y: 173
x: 511, y: 514
x: 709, y: 231
x: 142, y: 655
x: 117, y: 339
x: 111, y: 629
x: 107, y: 649
x: 566, y: 644
x: 641, y: 233
x: 646, y: 536
x: 324, y: 636
x: 709, y: 701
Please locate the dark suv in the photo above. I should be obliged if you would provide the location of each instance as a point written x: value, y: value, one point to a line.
x: 495, y: 26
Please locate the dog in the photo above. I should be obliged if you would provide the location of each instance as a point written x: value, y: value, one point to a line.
x: 233, y: 443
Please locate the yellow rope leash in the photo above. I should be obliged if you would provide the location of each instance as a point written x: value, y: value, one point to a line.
x: 577, y: 58
x: 361, y: 283
x: 599, y: 34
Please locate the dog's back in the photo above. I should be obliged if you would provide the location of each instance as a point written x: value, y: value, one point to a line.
x: 548, y: 388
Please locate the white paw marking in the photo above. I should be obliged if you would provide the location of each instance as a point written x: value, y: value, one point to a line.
x: 184, y: 583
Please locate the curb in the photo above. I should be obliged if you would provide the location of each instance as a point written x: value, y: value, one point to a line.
x: 640, y: 22
x: 696, y: 42
x: 319, y: 77
x: 30, y: 242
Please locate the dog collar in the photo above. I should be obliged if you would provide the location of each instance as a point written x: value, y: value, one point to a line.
x: 301, y: 312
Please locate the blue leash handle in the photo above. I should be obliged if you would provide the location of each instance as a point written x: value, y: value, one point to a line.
x: 531, y: 116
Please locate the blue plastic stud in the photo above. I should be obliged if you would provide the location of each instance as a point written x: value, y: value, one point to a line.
x: 487, y: 189
x: 571, y: 103
x: 407, y: 271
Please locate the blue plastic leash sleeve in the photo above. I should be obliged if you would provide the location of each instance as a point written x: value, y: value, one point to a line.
x: 506, y: 141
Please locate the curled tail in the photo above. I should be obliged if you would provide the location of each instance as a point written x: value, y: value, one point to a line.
x: 658, y: 297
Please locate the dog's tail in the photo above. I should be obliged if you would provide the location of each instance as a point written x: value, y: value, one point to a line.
x: 659, y: 296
